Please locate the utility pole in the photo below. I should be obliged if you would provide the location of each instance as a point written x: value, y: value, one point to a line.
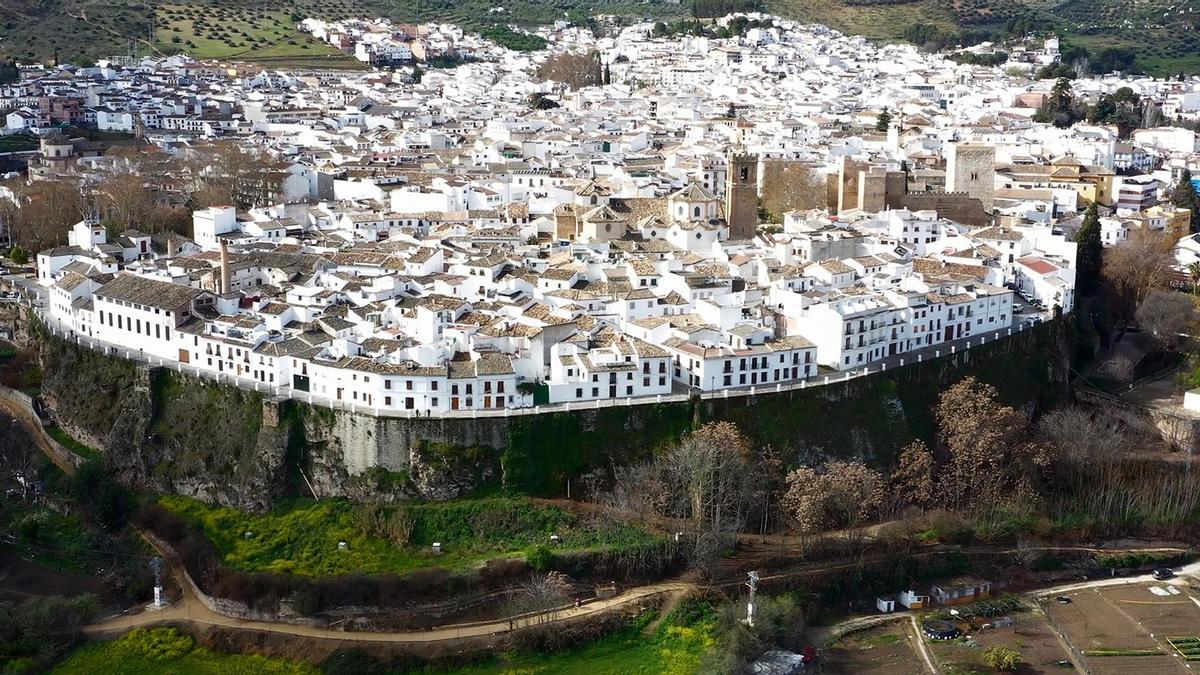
x: 753, y: 586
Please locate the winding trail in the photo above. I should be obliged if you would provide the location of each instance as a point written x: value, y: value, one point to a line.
x: 190, y: 610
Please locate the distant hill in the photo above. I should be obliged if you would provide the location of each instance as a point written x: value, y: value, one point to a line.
x: 1164, y: 34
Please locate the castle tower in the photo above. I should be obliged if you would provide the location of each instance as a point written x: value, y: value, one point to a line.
x: 971, y: 168
x: 741, y: 195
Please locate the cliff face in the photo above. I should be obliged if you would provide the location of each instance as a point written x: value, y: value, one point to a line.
x: 166, y: 432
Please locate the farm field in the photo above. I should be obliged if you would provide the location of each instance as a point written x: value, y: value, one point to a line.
x: 1031, y: 635
x: 1110, y: 638
x: 1160, y: 615
x: 886, y: 650
x: 245, y: 33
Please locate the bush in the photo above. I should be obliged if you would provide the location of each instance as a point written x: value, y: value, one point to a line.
x: 159, y: 644
x: 1002, y: 658
x: 540, y: 559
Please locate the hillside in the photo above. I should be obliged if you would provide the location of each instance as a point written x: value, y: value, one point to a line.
x: 85, y: 30
x: 1165, y: 34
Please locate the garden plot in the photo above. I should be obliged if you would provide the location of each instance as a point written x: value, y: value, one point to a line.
x: 884, y: 650
x: 1107, y: 639
x: 1159, y: 615
x: 1032, y: 637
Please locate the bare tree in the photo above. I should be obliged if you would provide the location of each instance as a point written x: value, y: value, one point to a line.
x: 1079, y: 435
x: 574, y: 69
x: 706, y: 484
x: 841, y: 495
x: 228, y: 173
x: 541, y: 592
x: 912, y: 481
x: 1119, y: 367
x: 791, y: 186
x: 1169, y: 316
x: 1135, y: 269
x: 991, y: 461
x: 42, y: 213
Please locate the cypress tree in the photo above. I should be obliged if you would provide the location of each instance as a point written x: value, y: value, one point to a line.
x: 1089, y: 252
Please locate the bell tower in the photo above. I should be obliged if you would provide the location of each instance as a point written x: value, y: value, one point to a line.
x: 741, y: 195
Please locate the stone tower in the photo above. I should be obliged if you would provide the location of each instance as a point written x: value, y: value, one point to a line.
x: 971, y: 168
x: 741, y: 195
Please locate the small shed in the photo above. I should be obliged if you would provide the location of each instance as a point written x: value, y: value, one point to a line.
x: 961, y: 590
x: 886, y: 603
x: 912, y: 600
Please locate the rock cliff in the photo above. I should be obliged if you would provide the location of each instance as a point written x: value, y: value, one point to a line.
x: 167, y: 432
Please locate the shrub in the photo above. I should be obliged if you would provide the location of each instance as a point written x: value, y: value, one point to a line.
x: 1002, y: 658
x: 159, y: 644
x: 540, y: 559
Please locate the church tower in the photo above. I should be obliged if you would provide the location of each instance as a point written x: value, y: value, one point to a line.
x: 741, y: 195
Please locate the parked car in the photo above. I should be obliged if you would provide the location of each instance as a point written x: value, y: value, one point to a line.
x: 1018, y: 307
x: 1162, y: 573
x: 1063, y: 600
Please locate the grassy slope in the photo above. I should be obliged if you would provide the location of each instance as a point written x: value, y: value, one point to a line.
x: 675, y: 648
x: 135, y: 654
x: 302, y: 537
x: 213, y: 32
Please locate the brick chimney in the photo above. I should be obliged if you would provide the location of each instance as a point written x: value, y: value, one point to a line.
x: 224, y: 267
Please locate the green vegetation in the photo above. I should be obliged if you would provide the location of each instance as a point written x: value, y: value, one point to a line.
x: 1187, y: 647
x: 18, y: 143
x: 1121, y: 652
x: 19, y: 369
x: 1002, y: 659
x: 1129, y: 561
x: 166, y: 651
x: 507, y: 37
x: 302, y: 536
x: 678, y: 645
x: 67, y: 441
x: 34, y: 633
x: 49, y: 538
x: 245, y: 33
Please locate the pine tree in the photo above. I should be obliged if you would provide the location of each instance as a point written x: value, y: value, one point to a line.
x: 1184, y: 196
x: 1089, y: 252
x: 883, y: 121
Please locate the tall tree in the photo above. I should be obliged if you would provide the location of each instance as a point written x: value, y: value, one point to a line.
x: 989, y: 461
x: 1184, y: 196
x: 1170, y: 317
x: 884, y: 120
x: 1089, y: 253
x: 1060, y: 108
x: 1134, y: 270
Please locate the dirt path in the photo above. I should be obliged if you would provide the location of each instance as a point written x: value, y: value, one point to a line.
x: 190, y: 610
x: 923, y: 648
